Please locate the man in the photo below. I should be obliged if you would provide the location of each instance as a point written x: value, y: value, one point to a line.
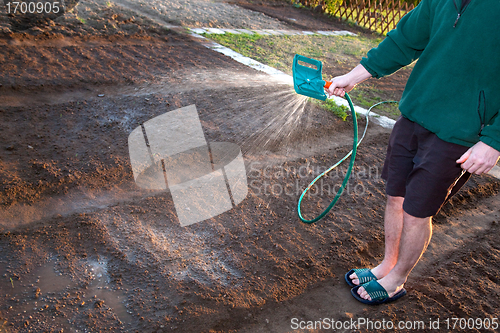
x: 449, y: 128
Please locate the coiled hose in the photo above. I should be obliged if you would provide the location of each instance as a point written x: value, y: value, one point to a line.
x: 352, y: 153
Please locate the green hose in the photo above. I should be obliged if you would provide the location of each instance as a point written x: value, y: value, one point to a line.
x: 352, y: 153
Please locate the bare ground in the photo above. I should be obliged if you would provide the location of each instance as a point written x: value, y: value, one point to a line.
x: 83, y: 249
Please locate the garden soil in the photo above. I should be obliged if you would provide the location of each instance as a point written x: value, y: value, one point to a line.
x: 83, y: 249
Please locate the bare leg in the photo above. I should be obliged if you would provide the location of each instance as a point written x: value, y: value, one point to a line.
x: 393, y: 226
x: 415, y: 237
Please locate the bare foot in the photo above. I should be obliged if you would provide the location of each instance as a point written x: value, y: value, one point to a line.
x: 380, y: 271
x: 391, y: 289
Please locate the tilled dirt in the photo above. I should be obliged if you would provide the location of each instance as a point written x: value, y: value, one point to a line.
x: 83, y: 249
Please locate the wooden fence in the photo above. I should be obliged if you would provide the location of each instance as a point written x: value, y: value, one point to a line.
x: 376, y: 15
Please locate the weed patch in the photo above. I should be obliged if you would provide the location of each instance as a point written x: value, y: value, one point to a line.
x: 330, y: 105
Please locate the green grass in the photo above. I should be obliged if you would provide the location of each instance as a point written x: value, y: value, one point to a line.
x: 279, y: 50
x: 339, y: 54
x: 364, y: 100
x: 330, y: 105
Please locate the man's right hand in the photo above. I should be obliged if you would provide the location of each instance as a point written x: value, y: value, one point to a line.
x: 345, y: 83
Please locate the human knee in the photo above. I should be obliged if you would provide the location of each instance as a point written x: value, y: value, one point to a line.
x: 416, y: 220
x: 395, y: 202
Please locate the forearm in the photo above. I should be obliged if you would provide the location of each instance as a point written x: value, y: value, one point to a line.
x: 359, y: 74
x: 345, y: 83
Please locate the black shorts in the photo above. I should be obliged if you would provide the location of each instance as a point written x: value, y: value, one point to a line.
x: 422, y: 168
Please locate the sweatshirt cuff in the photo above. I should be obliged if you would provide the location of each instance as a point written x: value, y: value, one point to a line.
x: 490, y: 134
x: 364, y: 63
x: 490, y: 142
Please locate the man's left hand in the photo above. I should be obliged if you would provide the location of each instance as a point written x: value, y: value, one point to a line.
x: 479, y: 158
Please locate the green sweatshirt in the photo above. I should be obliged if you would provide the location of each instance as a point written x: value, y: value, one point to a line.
x: 454, y: 88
